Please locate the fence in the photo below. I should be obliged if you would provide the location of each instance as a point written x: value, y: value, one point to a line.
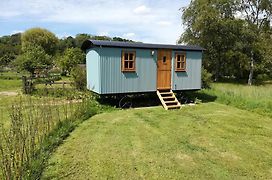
x: 29, y: 83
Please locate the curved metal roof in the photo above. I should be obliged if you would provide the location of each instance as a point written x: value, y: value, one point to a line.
x: 97, y: 43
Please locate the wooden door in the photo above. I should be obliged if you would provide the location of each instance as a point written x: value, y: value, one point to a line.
x: 164, y: 69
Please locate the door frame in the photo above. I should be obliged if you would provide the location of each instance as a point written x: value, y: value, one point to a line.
x: 160, y: 54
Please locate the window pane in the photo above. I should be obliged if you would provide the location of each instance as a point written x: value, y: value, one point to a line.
x: 131, y: 55
x: 183, y: 65
x: 178, y: 65
x: 182, y: 58
x: 131, y: 65
x: 126, y: 56
x: 126, y: 64
x: 178, y: 58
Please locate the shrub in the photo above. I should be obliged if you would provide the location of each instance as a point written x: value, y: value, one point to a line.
x: 206, y: 78
x: 79, y: 78
x: 262, y: 77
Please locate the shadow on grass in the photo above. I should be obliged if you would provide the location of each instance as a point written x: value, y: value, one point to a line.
x: 194, y: 96
x: 130, y: 101
x: 151, y: 99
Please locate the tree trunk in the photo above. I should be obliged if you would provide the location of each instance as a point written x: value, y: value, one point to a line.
x: 250, y: 77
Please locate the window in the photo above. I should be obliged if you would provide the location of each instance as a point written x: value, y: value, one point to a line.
x: 180, y: 62
x: 164, y: 59
x: 128, y: 61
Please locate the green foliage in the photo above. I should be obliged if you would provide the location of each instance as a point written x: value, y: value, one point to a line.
x: 80, y: 78
x: 234, y: 46
x: 80, y: 38
x: 39, y: 37
x: 66, y: 43
x: 70, y: 58
x: 206, y: 78
x: 57, y: 136
x: 262, y: 77
x: 37, y: 127
x: 34, y: 57
x: 10, y: 48
x: 71, y: 42
x: 121, y: 39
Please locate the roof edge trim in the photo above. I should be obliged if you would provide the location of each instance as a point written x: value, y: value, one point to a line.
x: 98, y: 43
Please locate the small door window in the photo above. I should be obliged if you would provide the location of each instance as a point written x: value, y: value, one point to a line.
x: 164, y: 59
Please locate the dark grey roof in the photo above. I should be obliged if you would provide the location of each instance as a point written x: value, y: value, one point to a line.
x: 97, y: 43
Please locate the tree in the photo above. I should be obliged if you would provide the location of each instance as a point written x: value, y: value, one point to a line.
x: 80, y: 38
x: 234, y: 46
x: 79, y: 77
x: 66, y: 43
x: 10, y: 48
x: 70, y: 58
x: 211, y: 24
x: 121, y: 39
x: 39, y: 37
x: 34, y: 57
x: 258, y: 14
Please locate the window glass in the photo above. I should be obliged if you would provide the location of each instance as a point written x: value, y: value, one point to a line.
x: 164, y: 59
x: 131, y: 56
x: 126, y: 56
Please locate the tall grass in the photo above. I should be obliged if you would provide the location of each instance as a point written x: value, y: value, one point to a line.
x: 254, y: 98
x: 27, y: 142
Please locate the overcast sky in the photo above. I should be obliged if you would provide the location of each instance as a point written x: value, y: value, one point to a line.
x: 155, y: 21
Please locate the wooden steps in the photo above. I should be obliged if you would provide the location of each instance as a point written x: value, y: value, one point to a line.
x: 168, y: 99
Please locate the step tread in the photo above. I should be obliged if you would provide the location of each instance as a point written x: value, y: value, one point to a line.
x: 166, y: 93
x: 174, y: 106
x: 168, y: 97
x: 171, y: 101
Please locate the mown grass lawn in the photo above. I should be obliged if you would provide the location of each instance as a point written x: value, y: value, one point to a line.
x: 207, y: 141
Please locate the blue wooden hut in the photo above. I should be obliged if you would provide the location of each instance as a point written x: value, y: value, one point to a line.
x: 128, y: 67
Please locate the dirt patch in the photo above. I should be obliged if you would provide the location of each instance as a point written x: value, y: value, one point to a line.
x: 185, y: 158
x: 8, y: 93
x: 229, y: 156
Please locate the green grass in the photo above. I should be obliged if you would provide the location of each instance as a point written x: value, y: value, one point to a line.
x: 207, y: 141
x: 254, y: 98
x: 12, y: 75
x: 10, y: 85
x: 5, y: 103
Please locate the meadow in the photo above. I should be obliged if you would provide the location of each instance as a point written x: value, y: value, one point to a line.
x: 31, y: 126
x: 227, y: 136
x: 253, y: 98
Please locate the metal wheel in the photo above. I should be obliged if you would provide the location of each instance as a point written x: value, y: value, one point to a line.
x: 125, y: 102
